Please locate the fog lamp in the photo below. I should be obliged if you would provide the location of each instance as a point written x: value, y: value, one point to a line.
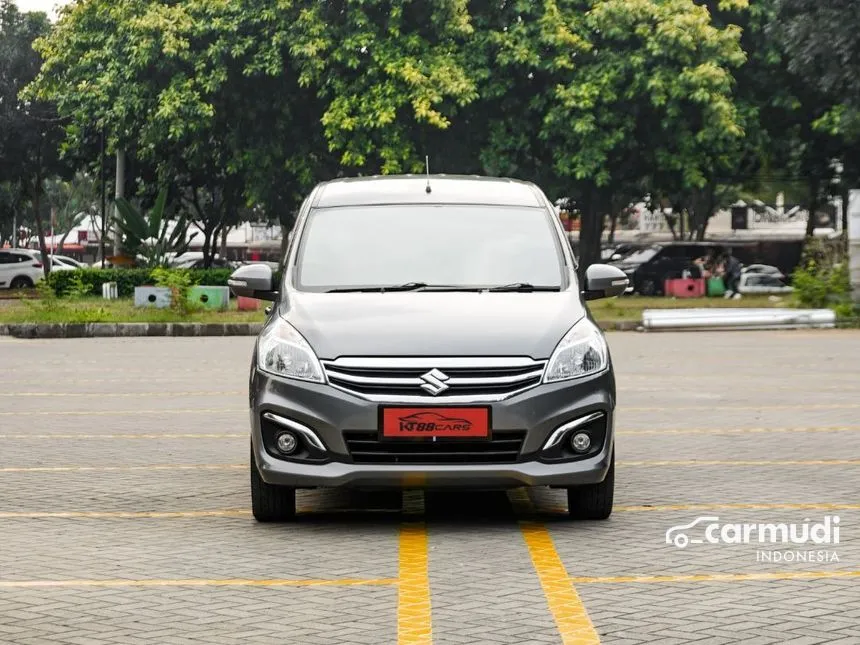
x: 580, y: 442
x: 287, y: 443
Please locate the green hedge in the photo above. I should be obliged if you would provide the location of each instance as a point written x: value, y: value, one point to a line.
x: 128, y: 279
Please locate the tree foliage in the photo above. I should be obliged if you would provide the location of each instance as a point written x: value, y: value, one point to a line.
x: 244, y: 105
x: 821, y: 39
x: 30, y: 132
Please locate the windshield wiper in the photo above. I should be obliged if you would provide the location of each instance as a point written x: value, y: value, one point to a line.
x: 409, y: 286
x: 524, y: 286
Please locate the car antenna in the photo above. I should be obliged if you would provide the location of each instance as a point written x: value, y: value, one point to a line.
x: 427, y: 166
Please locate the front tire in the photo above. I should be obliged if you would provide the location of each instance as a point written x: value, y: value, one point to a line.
x: 648, y: 288
x: 594, y: 501
x: 270, y: 503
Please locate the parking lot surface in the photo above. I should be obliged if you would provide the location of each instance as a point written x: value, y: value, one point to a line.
x: 124, y: 510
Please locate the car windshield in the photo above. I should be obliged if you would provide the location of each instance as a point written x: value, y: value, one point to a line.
x: 456, y: 246
x: 642, y: 256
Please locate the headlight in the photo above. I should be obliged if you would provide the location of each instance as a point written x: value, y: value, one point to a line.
x: 581, y: 352
x: 283, y: 351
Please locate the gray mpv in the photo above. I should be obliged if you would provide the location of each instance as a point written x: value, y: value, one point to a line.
x: 430, y: 332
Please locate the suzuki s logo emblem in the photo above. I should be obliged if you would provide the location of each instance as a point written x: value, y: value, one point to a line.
x: 434, y: 382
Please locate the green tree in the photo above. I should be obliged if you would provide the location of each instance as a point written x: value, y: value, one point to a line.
x: 607, y: 100
x: 823, y: 48
x: 391, y: 74
x: 194, y: 88
x: 29, y: 130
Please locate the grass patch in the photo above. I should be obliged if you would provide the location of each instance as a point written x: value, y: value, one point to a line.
x: 631, y: 307
x: 96, y: 310
x: 91, y: 310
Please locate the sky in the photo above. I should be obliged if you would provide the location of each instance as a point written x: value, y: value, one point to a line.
x: 39, y: 5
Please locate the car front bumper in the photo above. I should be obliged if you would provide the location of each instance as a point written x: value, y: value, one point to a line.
x: 328, y: 411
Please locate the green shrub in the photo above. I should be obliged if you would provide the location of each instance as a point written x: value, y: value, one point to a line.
x: 822, y: 279
x: 179, y: 283
x: 90, y: 281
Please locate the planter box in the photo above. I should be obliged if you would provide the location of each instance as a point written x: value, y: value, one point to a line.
x: 247, y: 304
x: 685, y: 288
x: 158, y: 297
x: 210, y: 297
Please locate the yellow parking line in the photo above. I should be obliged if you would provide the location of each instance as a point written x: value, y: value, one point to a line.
x: 742, y: 431
x: 104, y: 469
x: 195, y: 582
x: 121, y: 514
x: 131, y: 379
x: 239, y: 513
x: 117, y: 395
x: 770, y: 388
x: 732, y: 507
x: 721, y: 577
x: 124, y: 413
x: 222, y: 435
x: 722, y: 407
x: 414, y: 618
x: 571, y: 618
x: 706, y: 462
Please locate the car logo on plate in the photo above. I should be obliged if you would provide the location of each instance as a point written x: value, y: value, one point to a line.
x: 434, y: 382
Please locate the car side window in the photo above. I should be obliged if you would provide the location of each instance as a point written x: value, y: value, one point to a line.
x: 6, y: 258
x: 673, y: 252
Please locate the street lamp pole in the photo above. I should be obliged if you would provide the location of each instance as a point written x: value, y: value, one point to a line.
x: 104, y: 198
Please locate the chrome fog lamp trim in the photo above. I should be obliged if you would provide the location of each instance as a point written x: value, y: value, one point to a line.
x: 556, y: 437
x: 309, y: 435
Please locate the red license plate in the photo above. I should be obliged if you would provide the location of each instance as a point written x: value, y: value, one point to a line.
x: 435, y: 422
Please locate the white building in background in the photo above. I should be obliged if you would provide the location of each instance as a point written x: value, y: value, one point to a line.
x: 83, y: 240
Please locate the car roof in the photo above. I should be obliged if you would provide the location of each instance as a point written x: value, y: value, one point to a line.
x: 412, y: 189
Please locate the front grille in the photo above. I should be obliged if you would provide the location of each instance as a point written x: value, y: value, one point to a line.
x: 502, y: 448
x: 430, y: 378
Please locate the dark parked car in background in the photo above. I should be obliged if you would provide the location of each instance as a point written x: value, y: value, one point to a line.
x: 648, y: 269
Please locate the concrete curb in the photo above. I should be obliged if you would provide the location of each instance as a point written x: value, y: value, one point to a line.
x: 110, y: 330
x: 113, y: 330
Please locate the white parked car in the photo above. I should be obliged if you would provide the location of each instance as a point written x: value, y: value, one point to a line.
x: 63, y: 261
x: 762, y: 283
x: 20, y: 268
x: 765, y: 269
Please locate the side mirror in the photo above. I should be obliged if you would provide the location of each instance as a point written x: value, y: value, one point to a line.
x: 604, y: 281
x: 253, y: 281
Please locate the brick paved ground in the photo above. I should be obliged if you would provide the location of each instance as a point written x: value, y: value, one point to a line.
x: 170, y: 555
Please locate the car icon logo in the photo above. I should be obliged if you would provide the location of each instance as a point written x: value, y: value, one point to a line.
x: 434, y: 382
x: 677, y: 535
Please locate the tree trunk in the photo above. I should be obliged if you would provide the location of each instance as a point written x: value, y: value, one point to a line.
x: 813, y: 207
x: 612, y: 227
x: 223, y: 251
x: 62, y: 242
x: 40, y: 231
x: 285, y: 241
x: 208, y: 234
x: 670, y: 222
x: 590, y: 232
x: 846, y: 195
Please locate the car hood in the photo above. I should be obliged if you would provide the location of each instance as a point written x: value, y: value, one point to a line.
x: 427, y: 323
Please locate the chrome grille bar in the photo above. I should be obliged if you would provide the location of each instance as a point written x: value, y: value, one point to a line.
x: 465, y: 379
